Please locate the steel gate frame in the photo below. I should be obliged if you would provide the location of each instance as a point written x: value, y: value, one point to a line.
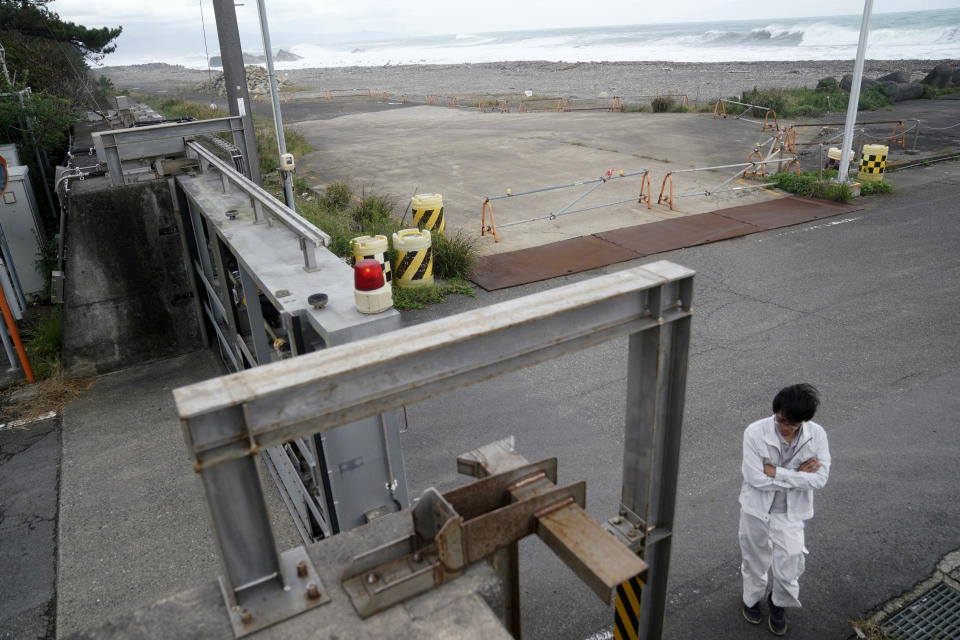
x: 226, y: 420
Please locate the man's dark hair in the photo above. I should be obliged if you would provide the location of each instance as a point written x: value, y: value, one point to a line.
x: 797, y: 403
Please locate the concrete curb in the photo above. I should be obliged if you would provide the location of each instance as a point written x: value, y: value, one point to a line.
x: 947, y: 571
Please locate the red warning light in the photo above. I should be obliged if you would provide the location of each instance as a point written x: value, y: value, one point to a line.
x: 367, y: 275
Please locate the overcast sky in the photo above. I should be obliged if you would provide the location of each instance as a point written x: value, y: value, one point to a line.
x: 167, y: 24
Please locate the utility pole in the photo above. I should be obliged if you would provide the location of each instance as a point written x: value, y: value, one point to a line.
x: 854, y: 93
x: 235, y: 81
x: 277, y: 117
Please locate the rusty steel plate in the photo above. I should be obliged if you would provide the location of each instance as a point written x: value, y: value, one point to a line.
x: 677, y: 233
x: 547, y: 261
x: 785, y: 212
x: 619, y: 245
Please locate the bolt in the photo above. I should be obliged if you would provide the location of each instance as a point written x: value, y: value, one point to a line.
x: 617, y: 520
x: 312, y: 592
x: 232, y: 214
x: 302, y: 569
x: 372, y: 577
x: 623, y: 512
x: 245, y: 616
x: 631, y: 534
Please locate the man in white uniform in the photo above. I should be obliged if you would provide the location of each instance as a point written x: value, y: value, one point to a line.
x: 785, y: 458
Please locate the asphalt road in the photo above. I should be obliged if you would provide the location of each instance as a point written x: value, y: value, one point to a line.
x: 865, y: 307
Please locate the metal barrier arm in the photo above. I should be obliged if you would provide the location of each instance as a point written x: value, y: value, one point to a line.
x: 228, y: 419
x: 310, y: 236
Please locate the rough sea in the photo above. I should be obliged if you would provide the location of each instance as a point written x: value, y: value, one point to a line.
x: 928, y: 35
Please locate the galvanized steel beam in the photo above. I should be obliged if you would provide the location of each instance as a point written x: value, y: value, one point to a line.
x: 228, y: 419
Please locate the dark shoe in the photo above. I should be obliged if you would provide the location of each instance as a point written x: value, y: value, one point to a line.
x: 778, y: 617
x: 753, y: 614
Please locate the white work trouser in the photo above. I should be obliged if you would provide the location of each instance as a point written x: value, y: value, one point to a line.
x: 776, y: 544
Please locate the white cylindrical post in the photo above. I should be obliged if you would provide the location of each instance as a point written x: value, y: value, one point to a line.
x: 854, y: 93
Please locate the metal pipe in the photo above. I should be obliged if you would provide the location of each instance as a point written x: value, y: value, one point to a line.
x: 709, y: 193
x: 569, y: 184
x: 275, y: 101
x: 12, y: 327
x: 854, y: 93
x: 557, y: 215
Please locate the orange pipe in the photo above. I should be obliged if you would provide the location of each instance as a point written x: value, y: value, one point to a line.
x: 11, y: 325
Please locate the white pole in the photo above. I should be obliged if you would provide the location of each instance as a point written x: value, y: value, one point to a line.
x: 275, y: 101
x: 854, y: 93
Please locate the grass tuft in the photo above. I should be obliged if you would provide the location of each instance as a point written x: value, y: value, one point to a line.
x: 420, y: 297
x: 453, y: 256
x: 661, y: 104
x: 807, y: 184
x: 871, y: 188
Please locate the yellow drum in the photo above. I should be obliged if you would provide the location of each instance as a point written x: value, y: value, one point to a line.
x: 428, y: 211
x: 414, y: 262
x: 873, y: 160
x: 374, y: 247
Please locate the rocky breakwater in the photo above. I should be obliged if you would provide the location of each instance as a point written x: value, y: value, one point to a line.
x: 258, y: 82
x: 899, y: 85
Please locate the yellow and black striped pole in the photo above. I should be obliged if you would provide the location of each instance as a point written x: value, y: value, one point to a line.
x: 626, y: 622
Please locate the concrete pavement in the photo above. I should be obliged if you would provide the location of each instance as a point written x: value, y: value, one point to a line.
x: 863, y: 306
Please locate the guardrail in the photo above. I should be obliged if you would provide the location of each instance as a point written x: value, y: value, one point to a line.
x: 310, y: 237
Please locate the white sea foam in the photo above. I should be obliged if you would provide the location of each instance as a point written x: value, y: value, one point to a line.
x: 921, y: 35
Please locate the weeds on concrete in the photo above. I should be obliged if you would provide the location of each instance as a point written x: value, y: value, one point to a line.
x: 344, y: 216
x: 43, y: 339
x: 50, y: 394
x: 871, y: 188
x: 420, y: 297
x: 809, y: 185
x: 662, y: 104
x: 868, y: 630
x: 453, y: 256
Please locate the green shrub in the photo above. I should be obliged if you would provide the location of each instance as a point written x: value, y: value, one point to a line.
x: 874, y: 98
x: 661, y: 104
x: 43, y: 340
x: 871, y: 188
x: 374, y: 213
x: 828, y: 85
x: 337, y: 196
x: 775, y: 99
x: 807, y: 184
x: 453, y: 256
x: 681, y: 109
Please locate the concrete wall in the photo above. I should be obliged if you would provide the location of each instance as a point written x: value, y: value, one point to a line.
x: 127, y: 295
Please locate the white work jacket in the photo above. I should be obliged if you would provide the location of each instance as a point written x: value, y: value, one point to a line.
x: 761, y: 443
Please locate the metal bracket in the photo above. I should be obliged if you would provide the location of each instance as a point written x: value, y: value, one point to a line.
x: 267, y: 603
x: 470, y: 523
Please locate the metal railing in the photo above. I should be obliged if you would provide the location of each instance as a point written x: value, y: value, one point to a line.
x: 310, y: 236
x: 565, y: 210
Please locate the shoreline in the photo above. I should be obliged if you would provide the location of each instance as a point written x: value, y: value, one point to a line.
x: 700, y: 81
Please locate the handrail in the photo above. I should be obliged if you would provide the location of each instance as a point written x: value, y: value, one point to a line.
x: 309, y: 235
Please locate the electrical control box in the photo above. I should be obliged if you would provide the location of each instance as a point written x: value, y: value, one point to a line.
x: 286, y: 162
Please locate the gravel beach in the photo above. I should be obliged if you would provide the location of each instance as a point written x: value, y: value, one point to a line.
x: 700, y: 82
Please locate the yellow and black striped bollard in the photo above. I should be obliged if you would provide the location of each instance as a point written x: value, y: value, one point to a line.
x: 414, y: 262
x: 626, y: 621
x: 428, y: 211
